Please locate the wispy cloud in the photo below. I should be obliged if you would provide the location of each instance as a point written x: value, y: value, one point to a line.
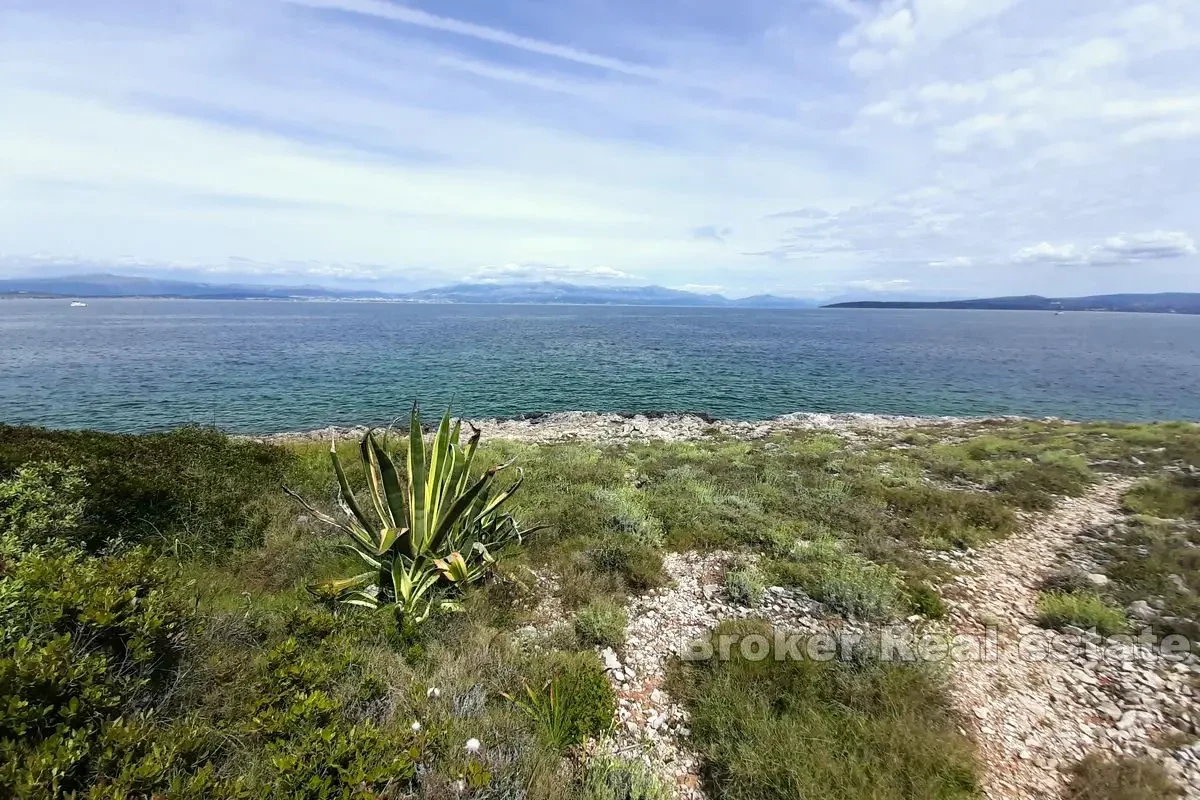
x: 503, y: 273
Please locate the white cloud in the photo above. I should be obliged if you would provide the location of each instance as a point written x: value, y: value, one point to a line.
x: 1154, y: 246
x: 502, y: 273
x: 892, y: 285
x: 1047, y: 253
x: 702, y: 288
x: 957, y: 261
x: 1116, y: 250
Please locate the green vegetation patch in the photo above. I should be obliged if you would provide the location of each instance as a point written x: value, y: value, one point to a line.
x: 601, y: 623
x: 858, y: 730
x: 1099, y: 777
x: 1152, y: 558
x: 1175, y: 496
x: 192, y: 489
x: 845, y: 581
x: 1082, y: 610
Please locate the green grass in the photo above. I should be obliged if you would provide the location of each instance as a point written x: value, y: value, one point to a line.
x: 744, y: 583
x: 225, y: 680
x: 1167, y: 497
x: 1106, y: 778
x: 861, y: 730
x: 1152, y: 558
x: 601, y: 623
x: 1082, y: 610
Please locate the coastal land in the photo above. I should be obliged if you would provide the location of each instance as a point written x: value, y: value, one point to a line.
x: 1012, y: 607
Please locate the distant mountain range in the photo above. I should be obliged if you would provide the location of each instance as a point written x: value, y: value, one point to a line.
x: 93, y: 286
x: 1162, y: 303
x: 105, y: 285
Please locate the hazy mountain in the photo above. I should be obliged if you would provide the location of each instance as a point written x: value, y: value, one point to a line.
x: 103, y: 285
x: 556, y: 292
x: 1165, y: 302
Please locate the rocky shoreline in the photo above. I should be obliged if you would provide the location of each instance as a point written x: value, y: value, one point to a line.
x: 600, y: 427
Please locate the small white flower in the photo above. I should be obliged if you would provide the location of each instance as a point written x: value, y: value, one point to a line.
x: 472, y: 745
x: 416, y: 727
x: 460, y: 786
x: 433, y: 692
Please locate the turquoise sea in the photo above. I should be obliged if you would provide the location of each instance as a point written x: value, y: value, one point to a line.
x: 135, y: 365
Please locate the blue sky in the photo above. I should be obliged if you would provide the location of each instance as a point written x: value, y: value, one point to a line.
x: 805, y: 147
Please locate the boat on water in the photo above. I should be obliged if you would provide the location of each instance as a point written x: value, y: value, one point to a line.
x: 78, y: 304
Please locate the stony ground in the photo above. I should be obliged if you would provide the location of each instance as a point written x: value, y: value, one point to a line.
x: 569, y: 425
x: 1031, y: 717
x: 1034, y: 715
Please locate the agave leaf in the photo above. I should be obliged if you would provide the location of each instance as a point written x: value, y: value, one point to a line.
x: 439, y: 457
x: 374, y: 483
x: 322, y: 516
x: 339, y: 587
x: 345, y: 493
x: 367, y: 557
x: 472, y: 446
x: 459, y: 508
x: 389, y: 478
x: 416, y: 481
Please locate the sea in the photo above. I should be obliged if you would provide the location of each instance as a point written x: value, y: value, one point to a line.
x: 264, y: 367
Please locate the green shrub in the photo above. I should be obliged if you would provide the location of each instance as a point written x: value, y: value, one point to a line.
x: 925, y: 600
x: 744, y: 584
x: 1067, y: 581
x: 193, y: 489
x: 569, y: 699
x: 613, y: 778
x: 1082, y: 610
x: 637, y: 564
x: 844, y: 581
x: 1147, y: 557
x: 601, y: 623
x: 42, y: 502
x: 1099, y: 777
x: 83, y: 641
x: 1168, y: 497
x: 624, y: 510
x: 853, y: 730
x: 949, y: 518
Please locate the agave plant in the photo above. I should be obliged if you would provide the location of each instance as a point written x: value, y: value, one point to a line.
x: 427, y: 537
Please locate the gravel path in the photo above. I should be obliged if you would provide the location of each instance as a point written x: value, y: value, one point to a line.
x: 1035, y: 718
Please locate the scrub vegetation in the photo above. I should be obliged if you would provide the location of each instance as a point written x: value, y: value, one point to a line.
x: 173, y: 625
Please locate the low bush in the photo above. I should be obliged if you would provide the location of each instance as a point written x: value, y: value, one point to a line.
x: 1167, y: 497
x: 856, y: 730
x: 193, y: 489
x: 1099, y: 777
x: 613, y: 778
x: 86, y: 645
x: 925, y: 600
x: 638, y: 565
x: 569, y: 700
x: 744, y: 583
x: 1082, y: 610
x: 1067, y: 581
x: 845, y: 581
x: 601, y: 623
x: 1154, y: 558
x: 42, y: 503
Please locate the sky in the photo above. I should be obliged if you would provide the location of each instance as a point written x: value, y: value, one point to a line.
x: 815, y: 148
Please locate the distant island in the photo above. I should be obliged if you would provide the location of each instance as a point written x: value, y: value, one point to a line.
x: 539, y: 292
x: 1161, y: 303
x: 558, y: 293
